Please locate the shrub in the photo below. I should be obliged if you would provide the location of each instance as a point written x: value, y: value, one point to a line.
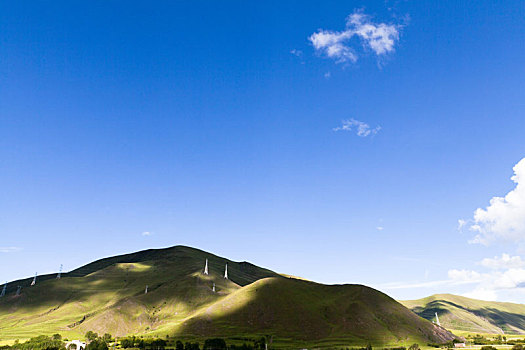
x: 97, y: 344
x: 488, y: 347
x: 41, y: 342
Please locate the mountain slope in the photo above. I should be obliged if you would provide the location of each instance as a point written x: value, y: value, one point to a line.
x: 471, y: 315
x: 312, y: 311
x: 108, y: 295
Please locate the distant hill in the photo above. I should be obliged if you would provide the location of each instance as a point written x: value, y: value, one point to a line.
x: 108, y: 295
x: 471, y: 315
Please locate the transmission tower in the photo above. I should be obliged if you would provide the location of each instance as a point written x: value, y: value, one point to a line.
x: 3, y: 290
x: 226, y: 271
x: 206, y: 267
x: 60, y: 272
x: 34, y: 279
x: 18, y: 290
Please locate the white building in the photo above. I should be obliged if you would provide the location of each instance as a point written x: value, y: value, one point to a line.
x: 78, y: 345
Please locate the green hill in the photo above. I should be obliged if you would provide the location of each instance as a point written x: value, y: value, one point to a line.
x: 108, y: 295
x: 310, y: 311
x: 471, y: 315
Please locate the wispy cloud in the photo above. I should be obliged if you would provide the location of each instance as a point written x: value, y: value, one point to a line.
x: 503, y: 275
x: 361, y: 129
x: 9, y: 249
x: 504, y: 262
x: 146, y: 233
x: 504, y: 218
x: 296, y: 52
x: 380, y: 38
x: 455, y: 277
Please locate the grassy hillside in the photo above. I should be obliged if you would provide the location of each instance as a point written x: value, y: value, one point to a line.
x: 108, y: 295
x: 309, y: 311
x: 471, y: 315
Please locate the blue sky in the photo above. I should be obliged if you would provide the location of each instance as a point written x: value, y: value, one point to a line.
x: 337, y: 141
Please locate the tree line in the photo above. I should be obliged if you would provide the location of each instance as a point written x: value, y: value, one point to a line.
x: 96, y: 342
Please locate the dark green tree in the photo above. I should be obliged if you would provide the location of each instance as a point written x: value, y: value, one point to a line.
x: 191, y: 346
x: 91, y: 336
x: 107, y: 338
x: 97, y: 344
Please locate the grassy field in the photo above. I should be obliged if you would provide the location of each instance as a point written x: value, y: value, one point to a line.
x: 466, y: 316
x: 108, y: 296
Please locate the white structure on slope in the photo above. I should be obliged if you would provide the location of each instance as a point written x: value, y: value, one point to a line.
x: 226, y: 271
x: 34, y: 279
x: 213, y: 288
x: 18, y: 290
x: 206, y: 267
x: 79, y: 345
x: 146, y: 291
x: 3, y: 290
x: 437, y: 320
x: 60, y: 272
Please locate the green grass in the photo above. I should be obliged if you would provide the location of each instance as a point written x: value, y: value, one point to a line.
x: 346, y: 314
x: 108, y: 296
x: 470, y: 315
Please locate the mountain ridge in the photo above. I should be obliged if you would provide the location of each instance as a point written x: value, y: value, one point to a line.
x: 160, y: 292
x: 461, y: 313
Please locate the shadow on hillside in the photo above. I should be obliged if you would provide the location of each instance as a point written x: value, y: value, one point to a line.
x: 502, y: 319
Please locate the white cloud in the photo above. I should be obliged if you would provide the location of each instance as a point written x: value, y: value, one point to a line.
x: 327, y: 75
x: 464, y: 276
x: 505, y: 262
x: 505, y: 276
x: 9, y: 249
x: 378, y: 37
x: 333, y: 46
x: 512, y: 278
x: 482, y: 294
x: 147, y: 233
x: 362, y: 129
x: 504, y: 218
x: 380, y: 228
